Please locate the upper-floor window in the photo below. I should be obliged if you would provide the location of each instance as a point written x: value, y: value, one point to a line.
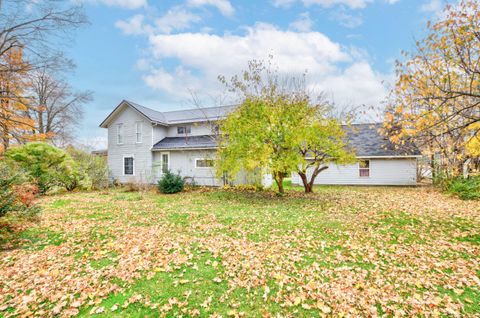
x: 138, y: 131
x: 120, y: 134
x: 364, y: 168
x: 182, y: 130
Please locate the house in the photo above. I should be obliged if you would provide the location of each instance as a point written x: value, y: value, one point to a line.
x: 144, y: 143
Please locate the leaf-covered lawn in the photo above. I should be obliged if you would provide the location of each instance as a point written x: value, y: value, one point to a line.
x: 340, y: 252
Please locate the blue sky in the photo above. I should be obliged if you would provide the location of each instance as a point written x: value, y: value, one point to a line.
x: 157, y: 53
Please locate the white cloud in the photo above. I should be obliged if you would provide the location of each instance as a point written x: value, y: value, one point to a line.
x: 353, y: 4
x: 224, y: 6
x: 127, y: 4
x: 303, y: 24
x: 133, y: 26
x: 346, y: 19
x: 176, y: 19
x: 202, y: 57
x: 433, y: 6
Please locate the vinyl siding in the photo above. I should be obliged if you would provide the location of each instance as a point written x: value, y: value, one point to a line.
x: 183, y: 162
x: 197, y: 129
x: 140, y: 151
x: 382, y: 172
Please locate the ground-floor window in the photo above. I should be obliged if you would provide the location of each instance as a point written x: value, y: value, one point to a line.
x: 364, y: 168
x: 204, y: 163
x: 165, y: 163
x: 128, y: 166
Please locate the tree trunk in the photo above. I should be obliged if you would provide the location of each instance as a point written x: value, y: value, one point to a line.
x: 308, y: 184
x: 279, y: 180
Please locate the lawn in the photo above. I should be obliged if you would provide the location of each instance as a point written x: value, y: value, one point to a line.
x: 343, y: 251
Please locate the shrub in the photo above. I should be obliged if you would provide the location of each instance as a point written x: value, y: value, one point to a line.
x: 466, y: 189
x: 94, y: 169
x: 46, y: 165
x: 171, y: 183
x: 16, y: 195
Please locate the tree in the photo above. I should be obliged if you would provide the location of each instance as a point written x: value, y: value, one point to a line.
x: 324, y: 143
x: 14, y: 123
x: 46, y: 165
x: 39, y: 28
x: 54, y: 107
x: 276, y: 127
x: 436, y: 99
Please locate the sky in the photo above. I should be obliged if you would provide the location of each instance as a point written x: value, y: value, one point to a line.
x: 160, y: 53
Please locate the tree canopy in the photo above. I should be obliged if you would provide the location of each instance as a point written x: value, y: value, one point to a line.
x: 436, y: 98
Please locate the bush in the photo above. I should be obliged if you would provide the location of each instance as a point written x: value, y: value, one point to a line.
x: 466, y: 189
x: 46, y: 165
x: 94, y: 169
x: 16, y: 195
x: 171, y: 183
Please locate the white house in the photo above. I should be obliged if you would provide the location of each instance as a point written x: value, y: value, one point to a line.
x: 143, y: 143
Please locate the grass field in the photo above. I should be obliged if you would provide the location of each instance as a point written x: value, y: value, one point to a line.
x: 343, y: 251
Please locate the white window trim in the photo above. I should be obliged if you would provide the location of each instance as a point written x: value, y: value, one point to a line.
x: 120, y: 126
x: 185, y: 127
x: 123, y: 165
x: 138, y: 124
x: 161, y: 161
x: 360, y: 168
x: 198, y: 159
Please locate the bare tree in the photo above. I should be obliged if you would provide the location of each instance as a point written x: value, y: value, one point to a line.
x: 55, y: 107
x: 38, y: 28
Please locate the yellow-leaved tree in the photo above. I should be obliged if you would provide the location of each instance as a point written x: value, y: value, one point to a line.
x: 436, y: 99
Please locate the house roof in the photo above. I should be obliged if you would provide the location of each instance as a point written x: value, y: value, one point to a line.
x: 189, y: 142
x: 367, y: 141
x: 172, y: 117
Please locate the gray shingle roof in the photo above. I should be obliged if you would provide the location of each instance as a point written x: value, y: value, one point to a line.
x: 197, y: 114
x: 151, y: 114
x: 367, y: 140
x: 189, y: 142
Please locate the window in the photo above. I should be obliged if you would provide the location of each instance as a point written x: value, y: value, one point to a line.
x: 164, y: 162
x: 204, y: 163
x: 128, y: 166
x: 182, y: 130
x: 364, y: 168
x: 120, y: 134
x: 138, y: 131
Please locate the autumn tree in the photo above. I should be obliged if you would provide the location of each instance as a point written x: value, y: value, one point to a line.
x: 14, y: 124
x: 55, y: 108
x: 278, y: 129
x: 436, y: 99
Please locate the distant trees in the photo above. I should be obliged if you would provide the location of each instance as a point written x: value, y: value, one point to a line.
x: 278, y: 129
x: 436, y: 99
x: 32, y: 34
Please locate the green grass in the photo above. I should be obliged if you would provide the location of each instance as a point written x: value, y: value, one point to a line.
x: 229, y: 253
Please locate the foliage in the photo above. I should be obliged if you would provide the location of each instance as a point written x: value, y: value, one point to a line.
x: 276, y: 127
x: 396, y: 252
x: 46, y: 165
x: 16, y: 195
x: 94, y: 169
x: 171, y: 183
x: 465, y: 188
x: 435, y: 101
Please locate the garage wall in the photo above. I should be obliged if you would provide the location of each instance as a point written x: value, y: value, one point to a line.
x: 382, y: 172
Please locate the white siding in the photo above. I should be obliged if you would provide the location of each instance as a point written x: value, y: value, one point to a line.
x: 140, y: 151
x: 382, y: 172
x: 197, y: 129
x: 183, y: 162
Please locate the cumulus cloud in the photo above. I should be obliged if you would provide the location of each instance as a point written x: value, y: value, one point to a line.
x: 201, y: 57
x: 132, y: 26
x: 353, y: 4
x: 176, y: 19
x: 346, y: 19
x: 303, y: 23
x: 127, y: 4
x: 224, y: 6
